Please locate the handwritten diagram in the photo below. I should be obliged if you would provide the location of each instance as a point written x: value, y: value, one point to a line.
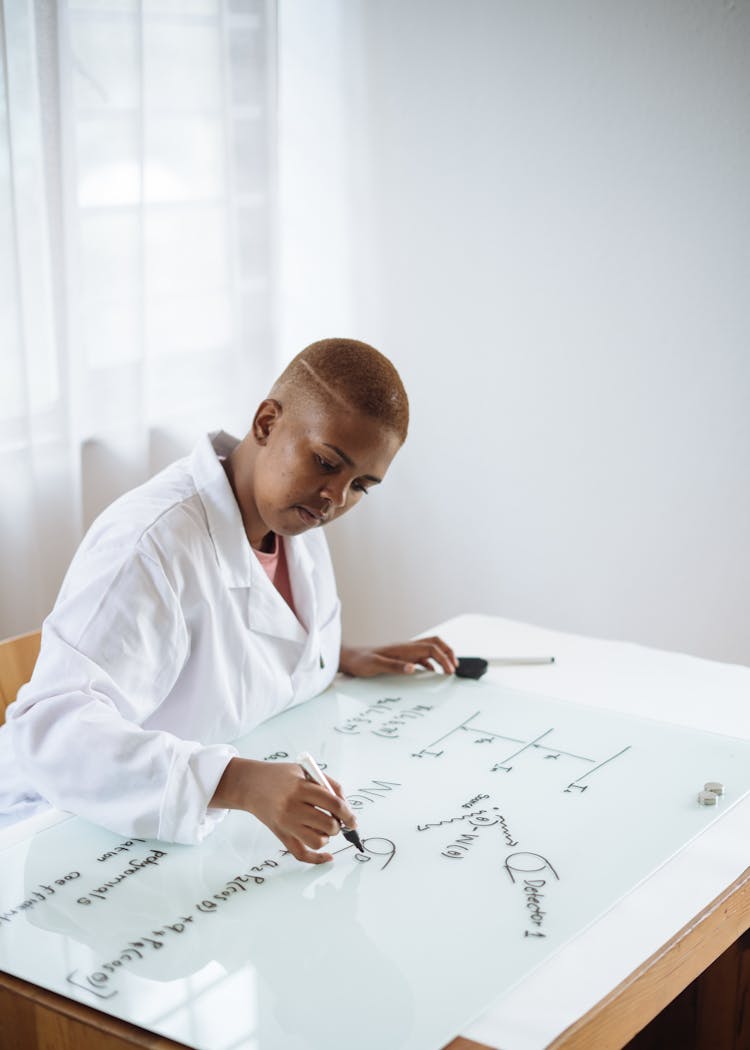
x: 543, y: 743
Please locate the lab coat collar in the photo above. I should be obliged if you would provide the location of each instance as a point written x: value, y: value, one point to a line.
x: 233, y: 551
x: 269, y: 613
x: 302, y: 571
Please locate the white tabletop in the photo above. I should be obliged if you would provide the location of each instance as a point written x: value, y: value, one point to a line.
x: 649, y: 683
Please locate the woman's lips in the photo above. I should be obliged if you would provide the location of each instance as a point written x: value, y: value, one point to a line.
x: 308, y: 517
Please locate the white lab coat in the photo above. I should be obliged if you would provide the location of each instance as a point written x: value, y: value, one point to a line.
x: 167, y: 641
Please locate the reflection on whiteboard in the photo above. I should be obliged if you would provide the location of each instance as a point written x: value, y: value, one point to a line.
x: 496, y: 825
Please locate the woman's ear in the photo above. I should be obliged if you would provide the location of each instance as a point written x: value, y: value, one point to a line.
x: 266, y: 418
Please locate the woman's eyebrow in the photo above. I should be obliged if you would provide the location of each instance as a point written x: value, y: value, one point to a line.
x: 350, y: 462
x: 339, y: 452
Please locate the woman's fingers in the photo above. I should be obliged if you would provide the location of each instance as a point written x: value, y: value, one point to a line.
x: 336, y: 786
x: 318, y: 822
x: 315, y: 796
x: 381, y: 664
x: 424, y: 651
x: 298, y: 849
x: 439, y: 651
x: 304, y: 815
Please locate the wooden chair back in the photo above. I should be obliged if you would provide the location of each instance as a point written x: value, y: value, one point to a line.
x: 17, y: 658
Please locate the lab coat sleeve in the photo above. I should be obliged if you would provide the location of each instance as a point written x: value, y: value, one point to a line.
x: 111, y: 651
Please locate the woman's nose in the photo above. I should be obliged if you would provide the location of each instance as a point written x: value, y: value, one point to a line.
x: 335, y: 491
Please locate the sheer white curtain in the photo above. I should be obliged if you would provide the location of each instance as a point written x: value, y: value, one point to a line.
x: 136, y: 165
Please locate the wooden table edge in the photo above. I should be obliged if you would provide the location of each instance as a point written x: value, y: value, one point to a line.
x: 49, y: 1009
x: 644, y: 993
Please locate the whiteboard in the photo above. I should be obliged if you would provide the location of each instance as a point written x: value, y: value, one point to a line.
x: 497, y: 824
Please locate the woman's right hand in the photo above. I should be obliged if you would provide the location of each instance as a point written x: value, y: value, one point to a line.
x: 303, y: 815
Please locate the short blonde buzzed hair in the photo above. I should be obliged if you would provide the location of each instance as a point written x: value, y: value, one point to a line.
x: 351, y: 373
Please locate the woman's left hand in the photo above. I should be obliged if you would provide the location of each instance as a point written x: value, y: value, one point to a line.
x: 402, y: 658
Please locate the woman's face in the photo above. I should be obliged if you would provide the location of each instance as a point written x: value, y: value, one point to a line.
x: 310, y: 465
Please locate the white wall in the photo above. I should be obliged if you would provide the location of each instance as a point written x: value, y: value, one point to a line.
x: 545, y: 222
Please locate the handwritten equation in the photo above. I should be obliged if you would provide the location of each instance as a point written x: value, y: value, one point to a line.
x: 383, y: 719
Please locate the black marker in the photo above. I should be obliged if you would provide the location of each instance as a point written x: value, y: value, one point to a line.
x: 313, y: 772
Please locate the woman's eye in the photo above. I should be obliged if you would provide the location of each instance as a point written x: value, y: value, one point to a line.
x: 324, y: 464
x: 359, y: 487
